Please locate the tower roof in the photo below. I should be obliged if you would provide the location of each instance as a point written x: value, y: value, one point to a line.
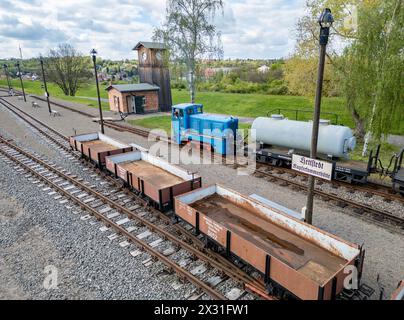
x: 150, y: 45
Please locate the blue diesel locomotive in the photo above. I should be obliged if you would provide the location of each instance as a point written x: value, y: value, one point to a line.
x: 189, y: 123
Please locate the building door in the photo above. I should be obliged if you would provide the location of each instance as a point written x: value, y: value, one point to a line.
x: 130, y: 101
x: 139, y: 104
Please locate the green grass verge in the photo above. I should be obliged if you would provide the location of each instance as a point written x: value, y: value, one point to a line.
x: 163, y: 122
x: 386, y: 152
x: 35, y: 87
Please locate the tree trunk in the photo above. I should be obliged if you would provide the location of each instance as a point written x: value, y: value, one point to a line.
x: 359, y: 125
x: 368, y: 136
x: 192, y: 86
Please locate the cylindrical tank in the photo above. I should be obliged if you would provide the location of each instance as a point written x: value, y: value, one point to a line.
x: 334, y: 141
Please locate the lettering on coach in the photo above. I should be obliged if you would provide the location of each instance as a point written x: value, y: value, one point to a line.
x: 313, y: 167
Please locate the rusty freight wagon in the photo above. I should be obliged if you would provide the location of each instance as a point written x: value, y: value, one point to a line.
x: 295, y: 259
x: 97, y: 146
x: 153, y: 177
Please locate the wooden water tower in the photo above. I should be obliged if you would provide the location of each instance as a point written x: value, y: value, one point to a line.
x: 153, y: 70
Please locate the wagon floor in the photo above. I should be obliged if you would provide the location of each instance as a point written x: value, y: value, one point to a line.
x: 305, y: 256
x: 98, y: 146
x: 152, y: 174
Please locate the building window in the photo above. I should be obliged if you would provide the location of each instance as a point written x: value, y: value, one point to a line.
x: 116, y: 102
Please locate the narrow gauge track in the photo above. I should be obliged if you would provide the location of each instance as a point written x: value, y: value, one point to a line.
x: 363, y: 211
x: 377, y: 216
x: 370, y: 189
x: 138, y: 229
x: 107, y: 123
x: 252, y: 284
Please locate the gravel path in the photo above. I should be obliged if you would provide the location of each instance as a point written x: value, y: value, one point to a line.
x: 384, y: 249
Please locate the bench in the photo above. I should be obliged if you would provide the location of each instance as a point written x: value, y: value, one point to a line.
x: 123, y: 115
x: 35, y: 105
x: 55, y: 113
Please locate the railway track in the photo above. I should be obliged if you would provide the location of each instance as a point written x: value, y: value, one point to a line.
x: 131, y: 223
x: 371, y: 189
x: 274, y: 174
x: 364, y: 211
x: 110, y: 124
x: 195, y: 245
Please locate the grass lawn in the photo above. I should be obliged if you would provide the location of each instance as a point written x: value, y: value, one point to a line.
x: 163, y: 122
x: 386, y: 152
x: 259, y: 105
x: 35, y: 87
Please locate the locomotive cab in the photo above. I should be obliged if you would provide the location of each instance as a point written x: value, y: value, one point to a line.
x: 180, y: 119
x: 217, y: 132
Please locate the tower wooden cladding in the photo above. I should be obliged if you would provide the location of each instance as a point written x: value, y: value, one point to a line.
x: 153, y: 70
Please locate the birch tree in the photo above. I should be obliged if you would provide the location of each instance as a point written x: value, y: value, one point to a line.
x: 190, y: 33
x: 370, y: 68
x: 376, y: 60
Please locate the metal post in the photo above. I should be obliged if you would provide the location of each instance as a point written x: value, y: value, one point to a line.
x: 98, y: 93
x: 8, y: 80
x: 22, y: 84
x: 46, y: 87
x: 325, y: 21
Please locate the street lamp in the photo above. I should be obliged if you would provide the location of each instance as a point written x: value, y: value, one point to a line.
x: 94, y: 56
x: 46, y: 87
x: 22, y: 84
x: 325, y: 21
x: 8, y: 80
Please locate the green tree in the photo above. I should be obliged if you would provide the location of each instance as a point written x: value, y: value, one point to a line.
x: 190, y: 34
x: 369, y: 70
x: 301, y: 75
x: 374, y: 65
x: 67, y: 68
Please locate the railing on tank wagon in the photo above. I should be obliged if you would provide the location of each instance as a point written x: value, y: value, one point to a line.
x: 296, y: 113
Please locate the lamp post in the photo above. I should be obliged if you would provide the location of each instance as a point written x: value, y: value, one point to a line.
x: 325, y: 21
x: 22, y: 84
x: 45, y: 86
x: 8, y: 80
x: 94, y: 57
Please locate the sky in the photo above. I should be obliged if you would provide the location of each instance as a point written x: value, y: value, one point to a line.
x: 256, y: 29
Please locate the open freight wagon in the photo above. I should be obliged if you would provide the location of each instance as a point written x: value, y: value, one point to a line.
x: 295, y: 258
x: 97, y: 146
x: 153, y: 177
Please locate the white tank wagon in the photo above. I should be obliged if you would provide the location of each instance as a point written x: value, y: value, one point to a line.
x: 334, y: 141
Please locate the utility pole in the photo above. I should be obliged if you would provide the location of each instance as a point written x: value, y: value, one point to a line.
x: 326, y: 19
x: 22, y: 84
x: 94, y: 57
x: 46, y: 87
x: 8, y: 80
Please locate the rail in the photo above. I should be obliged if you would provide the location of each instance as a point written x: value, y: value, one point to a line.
x: 213, y: 258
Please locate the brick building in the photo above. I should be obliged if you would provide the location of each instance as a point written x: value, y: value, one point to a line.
x: 134, y: 98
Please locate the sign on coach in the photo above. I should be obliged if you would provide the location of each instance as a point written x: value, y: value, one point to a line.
x: 313, y: 167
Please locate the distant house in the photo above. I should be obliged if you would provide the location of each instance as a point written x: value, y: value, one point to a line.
x: 138, y: 98
x: 210, y: 72
x: 263, y: 69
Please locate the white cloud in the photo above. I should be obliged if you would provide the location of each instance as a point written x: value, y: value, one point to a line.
x: 250, y: 28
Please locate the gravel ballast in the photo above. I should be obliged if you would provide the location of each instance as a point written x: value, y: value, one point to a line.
x: 37, y: 231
